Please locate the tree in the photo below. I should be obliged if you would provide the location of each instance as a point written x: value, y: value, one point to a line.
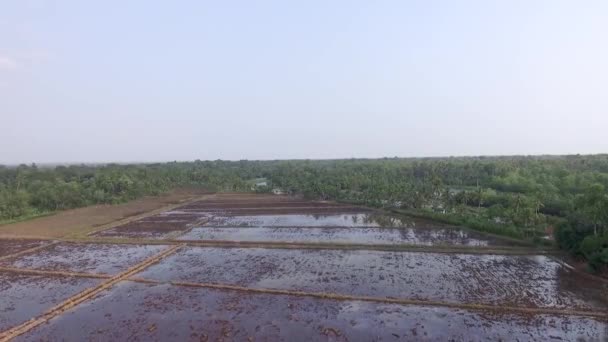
x: 594, y: 205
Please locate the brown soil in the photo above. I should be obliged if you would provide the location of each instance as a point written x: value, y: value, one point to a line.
x: 154, y: 227
x: 82, y: 220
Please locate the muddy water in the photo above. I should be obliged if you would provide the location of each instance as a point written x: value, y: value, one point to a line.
x: 10, y: 246
x: 24, y: 296
x: 91, y: 258
x: 134, y: 311
x: 318, y: 220
x: 534, y: 281
x: 392, y: 236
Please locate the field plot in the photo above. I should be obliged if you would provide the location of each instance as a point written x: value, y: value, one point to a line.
x: 155, y: 227
x: 164, y: 312
x: 12, y: 246
x: 84, y: 258
x: 25, y: 296
x: 389, y: 236
x: 309, y: 220
x: 295, y: 270
x: 531, y: 281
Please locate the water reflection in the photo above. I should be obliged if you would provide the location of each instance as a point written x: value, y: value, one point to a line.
x: 353, y: 235
x: 320, y: 220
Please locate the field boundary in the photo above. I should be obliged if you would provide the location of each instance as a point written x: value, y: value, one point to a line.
x: 30, y: 271
x: 388, y: 248
x: 83, y: 296
x: 334, y: 296
x: 289, y: 245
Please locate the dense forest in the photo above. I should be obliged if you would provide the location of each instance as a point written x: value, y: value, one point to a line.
x: 530, y: 198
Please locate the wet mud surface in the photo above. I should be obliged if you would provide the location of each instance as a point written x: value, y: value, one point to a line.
x: 25, y: 296
x: 85, y: 258
x: 527, y: 281
x: 12, y: 246
x: 393, y: 236
x: 144, y: 312
x: 157, y: 226
x: 138, y: 311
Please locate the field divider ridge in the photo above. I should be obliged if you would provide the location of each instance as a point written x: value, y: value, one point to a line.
x: 385, y: 300
x: 83, y: 296
x: 30, y: 271
x: 347, y: 246
x: 28, y: 251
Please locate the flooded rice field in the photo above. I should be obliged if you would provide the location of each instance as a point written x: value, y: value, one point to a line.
x: 391, y: 236
x: 146, y: 312
x: 531, y: 281
x: 12, y: 246
x: 25, y: 296
x: 84, y: 258
x: 364, y: 291
x: 311, y: 220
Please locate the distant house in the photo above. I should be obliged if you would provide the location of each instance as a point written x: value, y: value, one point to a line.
x: 258, y: 183
x: 278, y: 191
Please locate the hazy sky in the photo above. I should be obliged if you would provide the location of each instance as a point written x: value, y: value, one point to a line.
x: 181, y: 80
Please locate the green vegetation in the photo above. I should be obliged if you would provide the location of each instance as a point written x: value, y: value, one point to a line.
x: 521, y: 197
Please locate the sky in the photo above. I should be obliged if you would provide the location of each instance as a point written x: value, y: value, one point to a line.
x: 137, y: 81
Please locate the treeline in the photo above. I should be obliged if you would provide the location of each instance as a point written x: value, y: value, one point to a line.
x: 29, y: 190
x: 522, y: 197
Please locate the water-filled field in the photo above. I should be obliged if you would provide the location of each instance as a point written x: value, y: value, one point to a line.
x: 271, y: 268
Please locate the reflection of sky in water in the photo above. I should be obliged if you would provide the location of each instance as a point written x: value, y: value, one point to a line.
x: 320, y: 220
x: 417, y: 236
x: 459, y: 278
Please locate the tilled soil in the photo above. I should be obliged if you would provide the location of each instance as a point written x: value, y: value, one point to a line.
x: 12, y: 246
x: 529, y: 281
x: 25, y: 296
x: 84, y: 258
x: 134, y: 311
x: 156, y: 227
x: 392, y: 236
